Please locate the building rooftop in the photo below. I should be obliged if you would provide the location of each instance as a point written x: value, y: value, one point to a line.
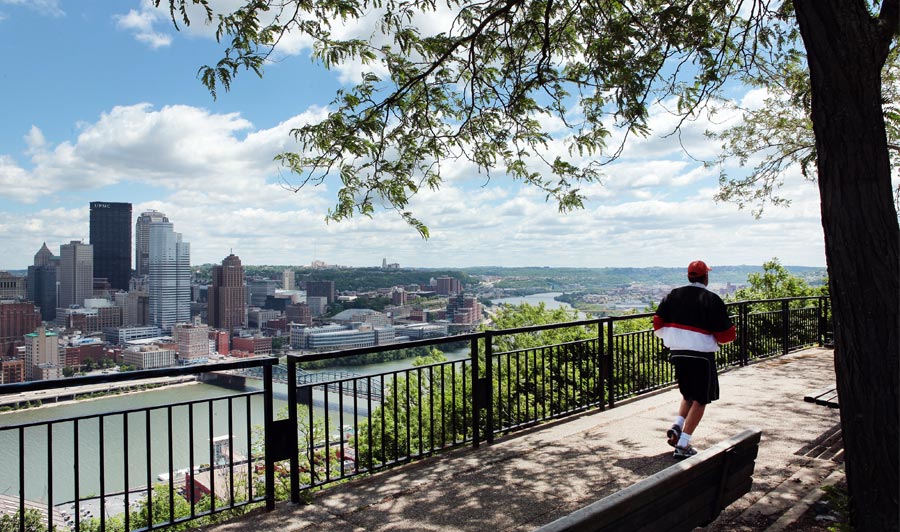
x: 353, y: 313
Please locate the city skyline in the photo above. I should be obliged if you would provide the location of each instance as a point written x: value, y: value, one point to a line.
x: 168, y: 146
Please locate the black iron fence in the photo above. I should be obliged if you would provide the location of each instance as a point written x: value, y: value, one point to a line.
x: 220, y: 455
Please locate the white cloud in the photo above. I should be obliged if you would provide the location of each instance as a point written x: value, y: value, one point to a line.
x: 169, y: 147
x: 755, y: 98
x: 15, y: 182
x: 213, y: 175
x: 44, y: 7
x: 141, y: 23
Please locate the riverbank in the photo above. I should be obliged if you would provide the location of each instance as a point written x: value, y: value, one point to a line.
x: 70, y: 394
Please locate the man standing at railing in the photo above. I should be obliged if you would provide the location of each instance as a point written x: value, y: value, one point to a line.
x: 693, y: 322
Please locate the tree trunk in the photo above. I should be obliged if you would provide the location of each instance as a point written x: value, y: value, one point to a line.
x: 846, y: 49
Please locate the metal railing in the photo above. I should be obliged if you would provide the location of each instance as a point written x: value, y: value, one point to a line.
x: 225, y: 453
x: 200, y: 453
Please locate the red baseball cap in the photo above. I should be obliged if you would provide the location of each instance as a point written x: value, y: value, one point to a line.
x: 698, y: 268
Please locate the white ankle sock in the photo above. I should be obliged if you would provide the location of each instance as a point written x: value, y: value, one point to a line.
x: 684, y: 440
x: 679, y: 421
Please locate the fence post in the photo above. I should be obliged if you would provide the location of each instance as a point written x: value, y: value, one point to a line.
x: 785, y: 324
x: 269, y: 414
x: 488, y: 384
x: 293, y: 423
x: 744, y: 324
x: 601, y: 365
x: 611, y: 365
x: 476, y: 400
x: 820, y: 324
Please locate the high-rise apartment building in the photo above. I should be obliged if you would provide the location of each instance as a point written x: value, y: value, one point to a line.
x: 320, y: 289
x: 464, y: 310
x: 42, y: 356
x: 448, y: 286
x: 111, y: 238
x: 226, y: 306
x: 42, y: 282
x: 76, y: 273
x: 170, y: 277
x: 142, y: 240
x: 288, y: 281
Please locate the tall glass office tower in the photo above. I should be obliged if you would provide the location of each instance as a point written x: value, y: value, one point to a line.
x: 111, y: 239
x: 142, y: 240
x: 170, y: 277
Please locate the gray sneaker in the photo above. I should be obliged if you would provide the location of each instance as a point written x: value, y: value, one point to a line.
x: 673, y: 434
x: 683, y: 452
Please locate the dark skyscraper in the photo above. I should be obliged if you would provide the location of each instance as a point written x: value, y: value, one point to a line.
x: 111, y: 239
x: 226, y: 295
x: 42, y: 282
x: 320, y: 289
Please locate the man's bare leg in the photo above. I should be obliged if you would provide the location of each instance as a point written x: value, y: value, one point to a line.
x: 684, y: 408
x: 693, y: 417
x: 695, y: 412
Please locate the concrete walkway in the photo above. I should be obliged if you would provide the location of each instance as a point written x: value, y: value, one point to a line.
x: 533, y: 477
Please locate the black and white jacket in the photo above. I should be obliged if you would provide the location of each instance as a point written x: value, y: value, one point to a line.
x: 691, y: 318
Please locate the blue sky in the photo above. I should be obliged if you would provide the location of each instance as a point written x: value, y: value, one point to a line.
x: 100, y: 102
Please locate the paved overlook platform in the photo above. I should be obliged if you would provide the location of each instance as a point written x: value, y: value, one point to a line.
x: 530, y: 478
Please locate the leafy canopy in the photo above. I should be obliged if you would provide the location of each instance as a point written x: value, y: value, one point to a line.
x: 778, y: 135
x: 776, y: 282
x: 486, y: 86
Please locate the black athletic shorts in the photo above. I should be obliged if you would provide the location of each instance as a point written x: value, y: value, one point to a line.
x: 696, y: 374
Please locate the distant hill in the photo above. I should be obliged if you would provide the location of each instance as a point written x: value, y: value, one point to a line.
x: 594, y: 278
x: 529, y: 279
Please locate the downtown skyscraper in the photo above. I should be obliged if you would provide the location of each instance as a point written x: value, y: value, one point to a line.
x: 111, y: 239
x: 169, y: 277
x: 142, y: 240
x: 42, y: 282
x: 76, y: 273
x: 227, y: 307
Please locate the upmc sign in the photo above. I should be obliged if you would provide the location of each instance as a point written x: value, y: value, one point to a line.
x: 99, y: 205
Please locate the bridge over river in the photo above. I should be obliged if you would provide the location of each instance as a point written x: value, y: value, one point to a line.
x: 342, y: 382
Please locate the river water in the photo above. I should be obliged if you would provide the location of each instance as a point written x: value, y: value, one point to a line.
x: 121, y: 453
x: 535, y: 299
x: 126, y: 450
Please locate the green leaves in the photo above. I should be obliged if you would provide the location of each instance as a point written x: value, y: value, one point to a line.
x: 775, y: 282
x: 778, y: 136
x: 481, y: 88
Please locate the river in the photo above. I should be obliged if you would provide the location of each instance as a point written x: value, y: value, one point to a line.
x: 535, y: 299
x: 62, y: 445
